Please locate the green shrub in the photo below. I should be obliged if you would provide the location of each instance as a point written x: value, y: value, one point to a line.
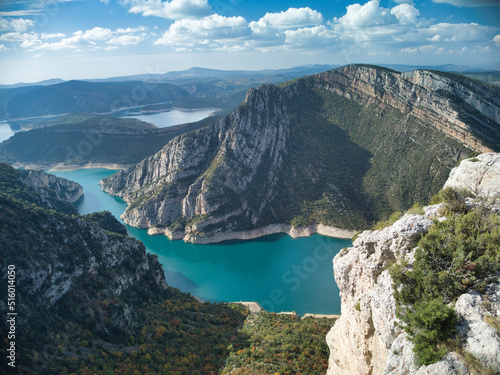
x: 453, y: 198
x: 456, y: 255
x: 416, y: 209
x: 430, y: 323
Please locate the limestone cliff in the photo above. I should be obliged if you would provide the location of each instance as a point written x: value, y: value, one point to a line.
x: 341, y: 149
x: 365, y: 340
x: 431, y: 96
x: 40, y: 188
x: 44, y: 183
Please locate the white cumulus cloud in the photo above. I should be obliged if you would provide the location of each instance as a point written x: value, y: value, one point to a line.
x: 406, y: 14
x: 173, y: 9
x: 291, y: 19
x: 52, y: 36
x: 368, y: 15
x: 88, y: 39
x: 212, y: 29
x: 97, y: 33
x: 16, y: 24
x: 18, y: 37
x: 125, y: 40
x: 310, y: 37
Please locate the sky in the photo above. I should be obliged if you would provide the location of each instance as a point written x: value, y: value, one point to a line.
x: 83, y: 39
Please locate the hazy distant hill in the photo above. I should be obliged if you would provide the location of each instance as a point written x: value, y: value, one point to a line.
x: 88, y: 97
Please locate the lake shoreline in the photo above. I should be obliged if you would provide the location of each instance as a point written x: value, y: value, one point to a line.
x: 294, y: 232
x: 61, y: 167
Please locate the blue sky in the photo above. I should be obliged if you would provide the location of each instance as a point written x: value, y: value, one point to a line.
x: 76, y: 39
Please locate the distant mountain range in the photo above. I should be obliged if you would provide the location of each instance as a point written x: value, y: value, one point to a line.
x: 192, y: 88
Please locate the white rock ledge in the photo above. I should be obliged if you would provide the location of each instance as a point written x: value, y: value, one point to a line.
x: 294, y: 232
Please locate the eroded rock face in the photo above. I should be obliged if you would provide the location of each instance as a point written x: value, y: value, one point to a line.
x: 365, y: 339
x: 210, y: 168
x: 361, y: 339
x: 431, y: 96
x: 481, y: 175
x: 43, y: 183
x: 70, y: 261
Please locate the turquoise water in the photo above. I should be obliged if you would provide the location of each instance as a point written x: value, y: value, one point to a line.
x: 281, y: 273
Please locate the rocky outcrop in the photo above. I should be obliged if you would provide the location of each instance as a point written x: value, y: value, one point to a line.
x: 43, y: 183
x: 480, y: 175
x: 40, y: 188
x: 197, y: 173
x: 365, y: 340
x: 299, y: 155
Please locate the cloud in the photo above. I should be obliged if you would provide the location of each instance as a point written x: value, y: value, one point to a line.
x: 406, y: 14
x: 460, y: 32
x: 125, y: 40
x: 496, y: 38
x: 291, y: 19
x: 18, y: 37
x: 97, y: 33
x: 16, y: 24
x: 74, y: 42
x: 214, y: 29
x: 19, y: 13
x: 469, y: 3
x: 369, y: 15
x: 52, y: 36
x: 173, y: 9
x: 3, y: 48
x: 88, y: 39
x: 310, y: 37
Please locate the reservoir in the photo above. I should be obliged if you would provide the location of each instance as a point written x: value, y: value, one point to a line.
x: 5, y: 131
x: 280, y: 273
x: 159, y: 119
x: 169, y: 118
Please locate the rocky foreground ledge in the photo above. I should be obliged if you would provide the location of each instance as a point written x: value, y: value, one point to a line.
x: 365, y: 340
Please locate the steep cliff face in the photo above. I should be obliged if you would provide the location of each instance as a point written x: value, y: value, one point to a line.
x: 451, y: 103
x: 341, y: 148
x: 45, y: 184
x: 199, y: 172
x: 40, y: 188
x: 365, y: 340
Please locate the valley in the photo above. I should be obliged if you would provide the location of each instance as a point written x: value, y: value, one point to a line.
x: 133, y: 268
